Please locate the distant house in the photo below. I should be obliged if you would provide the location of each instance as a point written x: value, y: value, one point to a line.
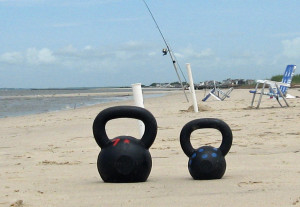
x: 250, y: 82
x: 233, y: 82
x: 208, y: 84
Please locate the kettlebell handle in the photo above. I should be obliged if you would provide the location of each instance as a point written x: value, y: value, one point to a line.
x: 125, y: 112
x: 185, y: 135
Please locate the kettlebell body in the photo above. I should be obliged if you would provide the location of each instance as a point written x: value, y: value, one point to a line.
x: 206, y: 162
x: 124, y: 158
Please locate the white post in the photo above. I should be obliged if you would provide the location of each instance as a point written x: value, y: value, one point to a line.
x: 138, y: 101
x: 192, y: 88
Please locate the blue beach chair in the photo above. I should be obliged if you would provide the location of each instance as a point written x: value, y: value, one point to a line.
x: 276, y: 90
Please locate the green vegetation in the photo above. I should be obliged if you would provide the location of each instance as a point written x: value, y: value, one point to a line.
x: 277, y: 78
x: 296, y: 78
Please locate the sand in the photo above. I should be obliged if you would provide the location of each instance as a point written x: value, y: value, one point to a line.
x: 50, y: 159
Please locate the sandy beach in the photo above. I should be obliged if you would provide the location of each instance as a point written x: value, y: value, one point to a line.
x: 50, y: 159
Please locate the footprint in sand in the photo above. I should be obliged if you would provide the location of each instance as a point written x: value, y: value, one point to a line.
x: 47, y: 162
x: 18, y: 203
x: 241, y: 184
x: 296, y: 201
x: 163, y: 128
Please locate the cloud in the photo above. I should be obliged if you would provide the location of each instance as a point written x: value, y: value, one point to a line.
x: 291, y: 48
x: 152, y: 54
x: 134, y: 57
x: 129, y: 62
x: 69, y: 49
x: 36, y: 57
x: 191, y: 53
x: 90, y: 58
x: 88, y: 47
x: 31, y: 56
x: 11, y: 57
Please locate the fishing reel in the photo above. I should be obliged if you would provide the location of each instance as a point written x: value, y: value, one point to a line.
x: 165, y: 51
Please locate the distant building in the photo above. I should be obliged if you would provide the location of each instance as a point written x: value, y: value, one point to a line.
x: 208, y: 84
x: 250, y: 82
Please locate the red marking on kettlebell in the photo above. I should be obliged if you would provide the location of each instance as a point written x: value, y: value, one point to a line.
x: 116, y: 141
x: 126, y: 141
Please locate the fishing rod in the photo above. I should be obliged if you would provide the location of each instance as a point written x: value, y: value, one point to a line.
x: 165, y: 51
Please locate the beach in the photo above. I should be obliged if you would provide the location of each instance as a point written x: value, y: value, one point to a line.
x: 50, y: 159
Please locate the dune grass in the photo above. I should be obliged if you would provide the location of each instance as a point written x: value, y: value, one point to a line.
x: 296, y: 78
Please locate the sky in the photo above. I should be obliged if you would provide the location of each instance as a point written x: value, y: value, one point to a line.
x: 102, y: 43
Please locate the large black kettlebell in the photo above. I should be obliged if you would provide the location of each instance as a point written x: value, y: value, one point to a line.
x: 206, y: 162
x: 124, y: 158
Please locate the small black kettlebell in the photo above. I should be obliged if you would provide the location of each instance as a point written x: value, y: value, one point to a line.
x: 206, y: 162
x: 124, y: 158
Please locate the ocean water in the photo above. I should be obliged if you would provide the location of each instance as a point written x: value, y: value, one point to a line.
x: 19, y: 102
